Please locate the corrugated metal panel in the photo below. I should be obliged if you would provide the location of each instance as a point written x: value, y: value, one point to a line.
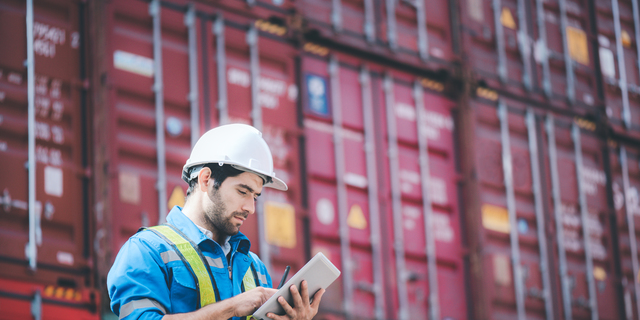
x: 539, y: 50
x: 415, y: 32
x: 625, y: 167
x: 414, y: 286
x: 572, y: 194
x: 618, y: 32
x: 425, y: 202
x: 59, y: 222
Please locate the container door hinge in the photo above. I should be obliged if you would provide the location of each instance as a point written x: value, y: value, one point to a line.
x: 36, y: 306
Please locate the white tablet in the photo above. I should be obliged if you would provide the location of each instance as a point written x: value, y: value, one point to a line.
x: 319, y: 273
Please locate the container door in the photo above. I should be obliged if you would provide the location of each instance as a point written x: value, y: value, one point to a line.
x: 61, y: 224
x: 625, y: 172
x: 578, y: 203
x: 618, y: 27
x: 422, y: 215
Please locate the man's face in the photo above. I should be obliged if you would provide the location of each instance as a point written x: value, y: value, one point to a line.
x: 232, y: 202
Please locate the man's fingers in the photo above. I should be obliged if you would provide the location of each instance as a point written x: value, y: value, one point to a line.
x: 304, y: 292
x: 316, y: 299
x: 297, y: 300
x: 287, y: 308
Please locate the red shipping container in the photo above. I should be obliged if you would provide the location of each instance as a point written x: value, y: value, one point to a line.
x: 415, y: 32
x: 618, y: 50
x: 550, y: 165
x: 353, y: 215
x: 539, y: 50
x: 625, y: 175
x: 55, y: 237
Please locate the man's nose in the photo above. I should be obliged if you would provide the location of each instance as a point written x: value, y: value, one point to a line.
x: 249, y: 206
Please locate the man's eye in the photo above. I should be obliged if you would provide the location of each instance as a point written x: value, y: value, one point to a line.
x: 242, y: 192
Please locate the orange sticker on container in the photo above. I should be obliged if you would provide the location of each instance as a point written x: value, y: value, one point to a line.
x: 506, y: 18
x: 577, y: 43
x: 495, y: 218
x: 176, y: 198
x: 280, y: 224
x: 625, y: 38
x: 599, y: 273
x: 356, y: 218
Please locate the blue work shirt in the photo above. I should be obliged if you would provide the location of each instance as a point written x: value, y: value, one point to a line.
x: 148, y: 280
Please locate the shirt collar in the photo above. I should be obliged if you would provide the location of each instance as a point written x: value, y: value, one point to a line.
x: 193, y: 231
x: 226, y: 246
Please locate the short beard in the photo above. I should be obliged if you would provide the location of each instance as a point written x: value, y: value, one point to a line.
x: 215, y: 216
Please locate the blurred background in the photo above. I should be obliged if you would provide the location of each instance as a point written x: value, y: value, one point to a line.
x: 455, y: 159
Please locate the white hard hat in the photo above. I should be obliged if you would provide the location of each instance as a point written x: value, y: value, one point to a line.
x: 238, y: 145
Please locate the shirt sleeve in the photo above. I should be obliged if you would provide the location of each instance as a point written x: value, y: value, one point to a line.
x: 137, y: 282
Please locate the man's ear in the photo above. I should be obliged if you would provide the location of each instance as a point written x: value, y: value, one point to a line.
x: 204, y: 179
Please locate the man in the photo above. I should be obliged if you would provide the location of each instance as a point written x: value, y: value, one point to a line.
x: 198, y: 266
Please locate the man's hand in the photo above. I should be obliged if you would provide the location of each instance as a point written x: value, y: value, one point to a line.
x: 248, y: 302
x: 302, y: 309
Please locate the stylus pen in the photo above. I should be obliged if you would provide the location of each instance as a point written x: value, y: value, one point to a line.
x: 284, y: 276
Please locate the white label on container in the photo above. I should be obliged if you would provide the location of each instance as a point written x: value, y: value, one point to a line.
x: 3, y: 95
x: 604, y: 41
x: 53, y: 181
x: 64, y: 258
x: 437, y: 52
x: 133, y: 63
x: 410, y: 214
x: 3, y: 146
x: 238, y: 77
x: 325, y: 211
x: 268, y: 101
x: 42, y: 83
x: 405, y: 111
x: 355, y: 180
x: 129, y: 184
x: 438, y: 191
x: 273, y: 86
x: 591, y: 179
x: 442, y: 227
x: 607, y: 63
x: 15, y: 78
x: 292, y: 92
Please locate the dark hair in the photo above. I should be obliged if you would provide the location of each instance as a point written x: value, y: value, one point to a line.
x: 218, y: 174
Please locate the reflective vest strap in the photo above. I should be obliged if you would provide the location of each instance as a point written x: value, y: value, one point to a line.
x: 191, y: 257
x: 250, y: 281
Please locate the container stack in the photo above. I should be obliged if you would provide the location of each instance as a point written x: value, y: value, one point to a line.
x: 455, y: 159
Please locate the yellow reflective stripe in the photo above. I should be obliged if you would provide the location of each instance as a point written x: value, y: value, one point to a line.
x: 249, y: 283
x: 207, y: 295
x: 248, y: 280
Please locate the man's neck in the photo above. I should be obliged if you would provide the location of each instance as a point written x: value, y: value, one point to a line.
x: 196, y: 215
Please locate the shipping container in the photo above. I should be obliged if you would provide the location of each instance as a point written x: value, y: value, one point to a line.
x: 541, y: 51
x: 378, y: 193
x: 625, y: 176
x: 418, y: 33
x: 618, y: 33
x: 545, y: 249
x: 45, y: 225
x: 434, y: 203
